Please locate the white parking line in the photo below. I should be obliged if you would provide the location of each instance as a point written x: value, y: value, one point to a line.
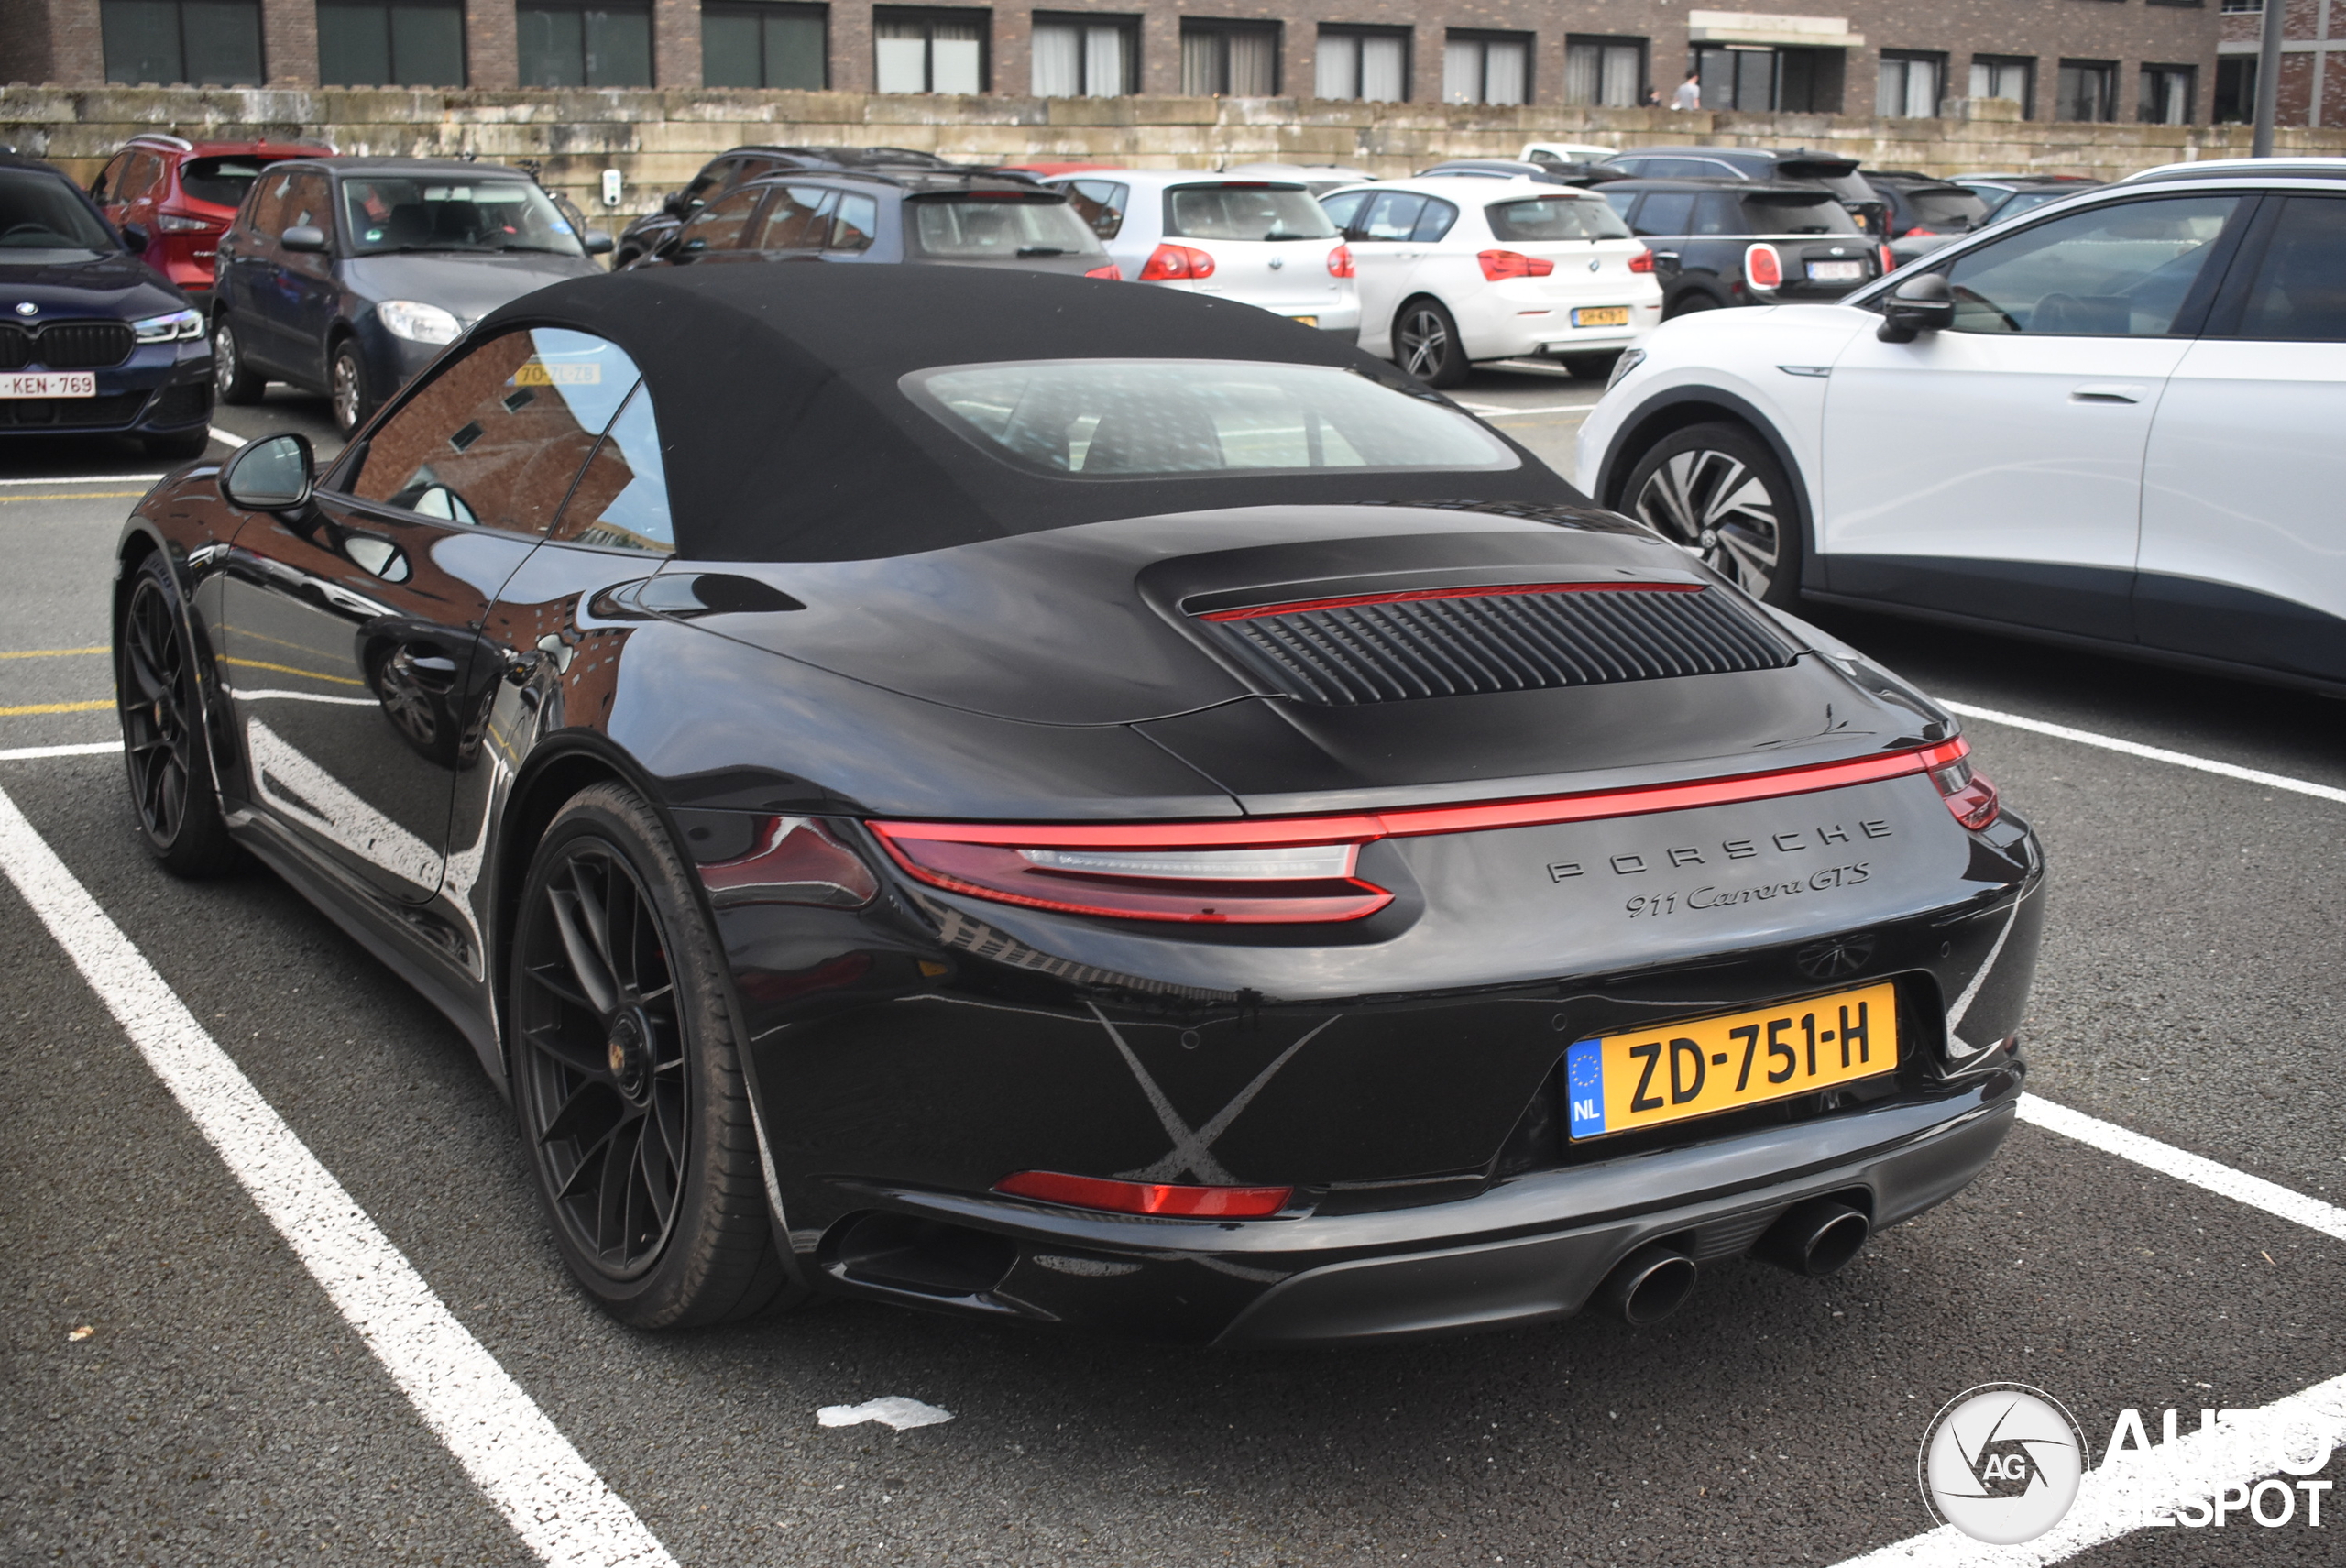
x: 91, y: 480
x: 86, y: 748
x: 2184, y: 1166
x: 1487, y: 410
x: 2154, y: 753
x: 547, y: 1492
x: 224, y: 439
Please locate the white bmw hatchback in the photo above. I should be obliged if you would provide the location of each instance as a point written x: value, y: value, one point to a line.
x: 1265, y: 242
x: 2114, y: 422
x: 1459, y: 268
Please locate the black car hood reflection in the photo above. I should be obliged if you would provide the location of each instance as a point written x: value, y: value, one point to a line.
x: 76, y: 283
x: 469, y: 283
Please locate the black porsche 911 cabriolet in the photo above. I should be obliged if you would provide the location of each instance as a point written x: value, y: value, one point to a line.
x: 1030, y: 797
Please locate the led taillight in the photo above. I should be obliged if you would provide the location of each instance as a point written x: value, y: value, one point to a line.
x: 1145, y: 1197
x: 1968, y: 794
x: 1171, y: 263
x: 1503, y: 264
x: 1107, y: 271
x: 187, y: 223
x: 1889, y: 261
x: 1253, y: 884
x: 1340, y: 262
x: 1763, y: 266
x: 1641, y: 262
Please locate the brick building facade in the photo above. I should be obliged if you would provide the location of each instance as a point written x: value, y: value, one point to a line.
x: 2122, y: 61
x: 2313, y: 61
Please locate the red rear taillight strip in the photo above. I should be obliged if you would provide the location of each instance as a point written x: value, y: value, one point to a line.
x: 1420, y: 820
x: 1347, y: 601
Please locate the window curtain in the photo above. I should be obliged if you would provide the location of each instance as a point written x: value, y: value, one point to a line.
x: 1384, y: 71
x: 1107, y: 65
x: 1059, y: 60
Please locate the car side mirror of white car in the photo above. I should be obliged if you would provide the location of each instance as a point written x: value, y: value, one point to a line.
x: 1918, y: 305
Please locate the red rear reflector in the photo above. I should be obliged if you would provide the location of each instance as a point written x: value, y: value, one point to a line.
x: 1340, y: 262
x: 1107, y: 271
x: 1889, y: 260
x: 1970, y: 795
x: 1641, y: 262
x: 1171, y: 263
x: 1503, y: 264
x: 1145, y: 1197
x: 1763, y: 267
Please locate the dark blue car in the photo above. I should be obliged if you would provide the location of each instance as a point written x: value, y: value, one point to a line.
x: 93, y: 341
x: 348, y: 275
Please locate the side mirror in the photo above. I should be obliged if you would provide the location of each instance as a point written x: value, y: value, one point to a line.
x: 303, y: 236
x: 136, y: 237
x: 596, y: 242
x: 676, y: 204
x: 1918, y: 305
x: 273, y: 473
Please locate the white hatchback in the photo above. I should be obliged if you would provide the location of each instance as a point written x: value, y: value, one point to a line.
x: 1458, y: 269
x: 1265, y: 242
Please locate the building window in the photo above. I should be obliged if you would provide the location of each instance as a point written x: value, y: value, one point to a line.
x: 1756, y: 79
x: 2236, y: 8
x: 2194, y: 5
x: 929, y: 51
x: 2235, y: 91
x: 1085, y: 57
x: 587, y: 43
x: 390, y: 43
x: 204, y: 43
x: 764, y: 43
x: 1230, y: 59
x: 2005, y: 76
x: 1911, y: 84
x: 2089, y: 90
x: 1367, y: 64
x: 2168, y: 93
x: 1608, y: 71
x: 1486, y: 68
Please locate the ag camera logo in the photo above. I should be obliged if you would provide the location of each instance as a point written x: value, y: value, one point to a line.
x: 2002, y: 1462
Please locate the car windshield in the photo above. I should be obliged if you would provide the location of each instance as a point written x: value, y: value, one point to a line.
x: 1791, y: 213
x: 1555, y: 217
x: 983, y: 225
x: 1953, y: 207
x: 1245, y: 212
x: 423, y: 212
x: 223, y: 180
x: 41, y: 211
x: 1094, y: 419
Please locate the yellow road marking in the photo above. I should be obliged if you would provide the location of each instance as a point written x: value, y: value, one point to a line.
x: 54, y: 653
x: 290, y: 670
x: 265, y: 637
x: 31, y: 708
x: 76, y: 496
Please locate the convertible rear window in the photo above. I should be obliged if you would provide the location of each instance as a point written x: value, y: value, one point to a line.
x: 1792, y: 213
x: 1556, y: 217
x: 1244, y: 211
x: 986, y: 227
x: 1112, y: 419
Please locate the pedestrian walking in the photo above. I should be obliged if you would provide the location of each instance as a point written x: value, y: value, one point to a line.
x: 1689, y: 95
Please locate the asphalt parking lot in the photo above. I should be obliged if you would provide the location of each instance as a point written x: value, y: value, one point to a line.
x: 180, y: 1389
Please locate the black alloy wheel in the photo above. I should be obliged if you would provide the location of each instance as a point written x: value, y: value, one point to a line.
x: 233, y: 376
x: 626, y: 1078
x: 1714, y: 491
x: 346, y: 388
x: 161, y: 708
x: 1426, y: 344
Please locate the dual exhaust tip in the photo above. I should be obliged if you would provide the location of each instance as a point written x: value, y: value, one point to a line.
x: 1813, y: 1239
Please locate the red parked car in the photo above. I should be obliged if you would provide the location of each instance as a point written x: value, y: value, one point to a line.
x: 184, y: 195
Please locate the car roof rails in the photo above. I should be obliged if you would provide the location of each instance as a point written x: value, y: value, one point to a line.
x: 160, y: 139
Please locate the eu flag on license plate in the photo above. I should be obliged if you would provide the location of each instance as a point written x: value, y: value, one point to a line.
x: 1585, y: 1087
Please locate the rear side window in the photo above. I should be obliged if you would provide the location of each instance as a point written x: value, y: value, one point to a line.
x: 498, y: 436
x: 719, y: 226
x: 797, y: 218
x: 1342, y: 209
x: 1434, y: 222
x: 1555, y: 217
x: 985, y: 227
x: 1100, y: 203
x: 1667, y: 212
x: 620, y: 498
x: 1393, y: 216
x: 1790, y: 214
x: 856, y: 222
x: 221, y: 180
x: 2300, y: 291
x: 1245, y: 212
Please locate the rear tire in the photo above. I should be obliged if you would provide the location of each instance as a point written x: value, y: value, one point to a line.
x: 1717, y: 492
x: 164, y: 745
x: 233, y: 377
x: 1426, y: 344
x: 627, y: 1080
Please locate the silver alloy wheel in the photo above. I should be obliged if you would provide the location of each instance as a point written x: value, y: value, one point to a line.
x: 343, y: 389
x: 223, y: 355
x: 1713, y: 505
x: 1425, y: 343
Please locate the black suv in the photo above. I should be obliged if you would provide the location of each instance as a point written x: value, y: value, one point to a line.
x: 1736, y: 242
x: 91, y: 339
x: 738, y: 166
x: 1796, y: 166
x: 966, y: 219
x: 1924, y: 203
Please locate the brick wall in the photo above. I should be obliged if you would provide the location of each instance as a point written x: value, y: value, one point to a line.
x: 657, y: 138
x: 2313, y: 59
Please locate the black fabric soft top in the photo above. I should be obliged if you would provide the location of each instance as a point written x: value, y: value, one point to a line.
x: 787, y: 438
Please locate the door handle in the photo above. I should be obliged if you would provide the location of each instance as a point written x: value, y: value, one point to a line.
x: 2109, y: 393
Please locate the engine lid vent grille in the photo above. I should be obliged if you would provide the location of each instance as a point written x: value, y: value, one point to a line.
x: 1461, y: 641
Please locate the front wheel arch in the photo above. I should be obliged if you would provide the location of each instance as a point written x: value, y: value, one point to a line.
x: 1672, y: 412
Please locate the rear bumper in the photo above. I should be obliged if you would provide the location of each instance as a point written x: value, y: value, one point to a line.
x: 1531, y: 1249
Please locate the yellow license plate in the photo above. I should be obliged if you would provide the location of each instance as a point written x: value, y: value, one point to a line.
x: 1619, y: 1084
x: 1601, y: 315
x: 1305, y: 321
